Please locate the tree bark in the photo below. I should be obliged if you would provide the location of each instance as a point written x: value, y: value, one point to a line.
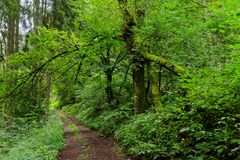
x: 10, y: 34
x: 17, y: 35
x: 109, y: 89
x: 140, y: 102
x: 109, y: 74
x: 154, y: 88
x: 36, y: 17
x: 11, y: 45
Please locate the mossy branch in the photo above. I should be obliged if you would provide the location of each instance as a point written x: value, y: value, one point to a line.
x: 177, y: 70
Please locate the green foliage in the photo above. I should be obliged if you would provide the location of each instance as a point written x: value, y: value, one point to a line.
x: 105, y: 121
x: 97, y: 17
x: 202, y: 36
x: 203, y: 125
x: 24, y: 85
x: 178, y: 31
x: 148, y: 135
x: 108, y: 121
x: 4, y: 142
x: 38, y: 142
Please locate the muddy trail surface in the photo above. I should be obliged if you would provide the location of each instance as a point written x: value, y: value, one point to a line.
x: 85, y: 144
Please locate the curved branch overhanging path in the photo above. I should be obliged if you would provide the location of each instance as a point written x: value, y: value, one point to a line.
x: 91, y: 146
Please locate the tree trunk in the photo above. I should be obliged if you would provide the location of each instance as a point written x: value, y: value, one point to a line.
x: 45, y: 18
x: 109, y: 74
x: 109, y: 89
x: 11, y: 46
x: 36, y: 17
x: 10, y: 34
x: 154, y: 88
x: 140, y: 102
x: 16, y: 34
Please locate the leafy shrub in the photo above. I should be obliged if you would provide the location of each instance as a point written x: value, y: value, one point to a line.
x: 4, y: 142
x: 149, y: 135
x: 84, y: 115
x: 203, y: 125
x: 40, y: 143
x: 105, y: 121
x: 71, y: 109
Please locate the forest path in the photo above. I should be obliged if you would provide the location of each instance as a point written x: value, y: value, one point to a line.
x: 85, y: 144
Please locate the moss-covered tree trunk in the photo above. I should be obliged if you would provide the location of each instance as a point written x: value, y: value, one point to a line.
x: 140, y: 102
x: 155, y: 92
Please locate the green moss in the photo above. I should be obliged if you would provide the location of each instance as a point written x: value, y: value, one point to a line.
x: 164, y: 63
x: 154, y: 89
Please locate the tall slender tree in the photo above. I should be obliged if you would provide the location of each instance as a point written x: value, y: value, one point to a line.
x: 140, y: 102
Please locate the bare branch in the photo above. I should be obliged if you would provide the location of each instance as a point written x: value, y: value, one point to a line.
x: 79, y: 69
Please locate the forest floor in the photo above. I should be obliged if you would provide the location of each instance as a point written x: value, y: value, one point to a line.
x: 85, y: 144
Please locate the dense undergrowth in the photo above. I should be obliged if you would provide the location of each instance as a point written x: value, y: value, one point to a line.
x: 106, y: 121
x: 202, y: 125
x: 31, y: 140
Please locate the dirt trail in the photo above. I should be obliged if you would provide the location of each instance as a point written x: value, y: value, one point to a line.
x: 72, y: 149
x: 98, y: 147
